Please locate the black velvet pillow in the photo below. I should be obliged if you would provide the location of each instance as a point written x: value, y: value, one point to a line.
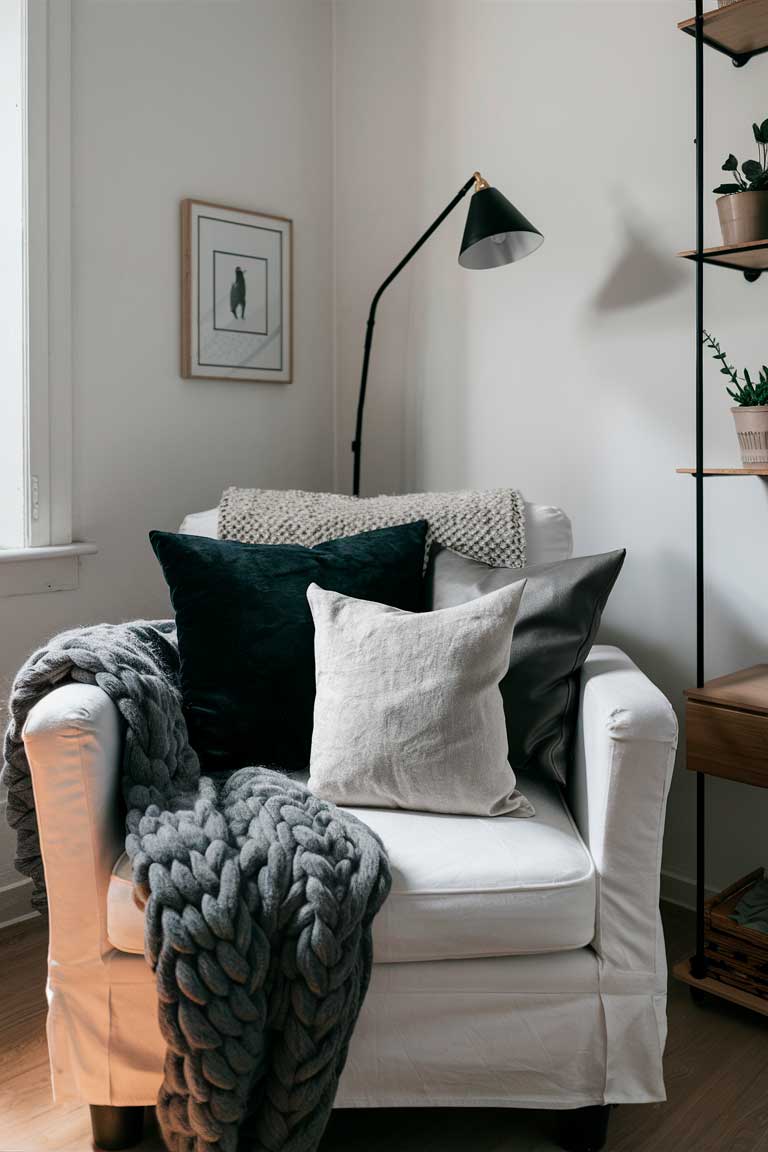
x: 554, y: 631
x: 246, y: 638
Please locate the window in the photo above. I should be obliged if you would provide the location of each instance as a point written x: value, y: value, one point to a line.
x: 11, y: 278
x: 35, y: 310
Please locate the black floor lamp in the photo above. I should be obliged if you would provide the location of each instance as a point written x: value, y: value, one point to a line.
x: 495, y: 234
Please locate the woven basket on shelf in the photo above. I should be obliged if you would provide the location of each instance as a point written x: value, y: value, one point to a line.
x: 736, y: 955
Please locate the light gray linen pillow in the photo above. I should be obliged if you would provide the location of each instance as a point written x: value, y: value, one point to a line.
x: 408, y: 712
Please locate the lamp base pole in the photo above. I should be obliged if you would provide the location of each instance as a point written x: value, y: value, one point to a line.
x: 358, y: 440
x: 357, y: 443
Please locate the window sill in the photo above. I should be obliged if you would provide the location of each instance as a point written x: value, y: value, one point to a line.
x: 33, y: 571
x: 51, y: 552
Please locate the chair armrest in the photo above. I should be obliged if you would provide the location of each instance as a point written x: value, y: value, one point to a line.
x: 624, y: 755
x: 73, y: 739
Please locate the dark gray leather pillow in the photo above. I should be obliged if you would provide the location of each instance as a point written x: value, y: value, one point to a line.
x: 555, y: 629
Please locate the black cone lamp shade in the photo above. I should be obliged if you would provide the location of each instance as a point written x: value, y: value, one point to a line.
x: 495, y: 232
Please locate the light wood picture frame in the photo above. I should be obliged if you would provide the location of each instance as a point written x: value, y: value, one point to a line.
x: 236, y: 294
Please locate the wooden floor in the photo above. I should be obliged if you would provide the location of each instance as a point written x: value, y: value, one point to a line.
x: 716, y: 1070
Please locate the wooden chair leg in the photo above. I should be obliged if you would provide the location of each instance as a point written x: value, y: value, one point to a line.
x: 586, y: 1129
x: 116, y: 1128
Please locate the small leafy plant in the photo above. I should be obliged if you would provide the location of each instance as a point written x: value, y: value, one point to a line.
x: 746, y: 392
x: 754, y: 173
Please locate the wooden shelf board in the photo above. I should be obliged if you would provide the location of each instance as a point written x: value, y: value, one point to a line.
x: 726, y: 723
x: 749, y: 257
x: 724, y: 471
x: 747, y: 688
x: 681, y: 971
x: 739, y: 29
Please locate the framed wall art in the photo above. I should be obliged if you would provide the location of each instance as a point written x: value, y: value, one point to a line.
x: 236, y: 321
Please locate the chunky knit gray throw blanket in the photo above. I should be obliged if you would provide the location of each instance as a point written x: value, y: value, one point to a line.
x: 259, y: 900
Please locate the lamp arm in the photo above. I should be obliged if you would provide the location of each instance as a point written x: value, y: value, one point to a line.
x: 357, y: 442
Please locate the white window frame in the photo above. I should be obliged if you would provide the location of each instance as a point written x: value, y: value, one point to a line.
x: 46, y: 81
x: 47, y: 376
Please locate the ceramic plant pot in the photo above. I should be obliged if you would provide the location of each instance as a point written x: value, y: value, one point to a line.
x: 752, y: 431
x: 743, y: 217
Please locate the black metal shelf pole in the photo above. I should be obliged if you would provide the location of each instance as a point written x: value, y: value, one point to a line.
x: 698, y: 963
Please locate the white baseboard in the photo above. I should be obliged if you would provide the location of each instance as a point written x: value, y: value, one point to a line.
x: 680, y: 890
x: 15, y: 903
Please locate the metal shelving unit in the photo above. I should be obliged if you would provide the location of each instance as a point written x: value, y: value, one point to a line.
x: 740, y: 31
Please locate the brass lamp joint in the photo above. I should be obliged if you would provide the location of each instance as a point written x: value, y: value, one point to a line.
x: 480, y: 182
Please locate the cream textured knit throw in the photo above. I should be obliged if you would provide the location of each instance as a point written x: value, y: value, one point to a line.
x: 487, y: 526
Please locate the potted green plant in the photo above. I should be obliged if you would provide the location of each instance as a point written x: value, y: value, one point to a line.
x: 751, y: 412
x: 743, y: 203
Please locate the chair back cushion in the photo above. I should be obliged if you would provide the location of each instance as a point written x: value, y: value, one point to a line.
x: 555, y: 628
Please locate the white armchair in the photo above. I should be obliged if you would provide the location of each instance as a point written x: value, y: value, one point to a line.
x: 518, y: 963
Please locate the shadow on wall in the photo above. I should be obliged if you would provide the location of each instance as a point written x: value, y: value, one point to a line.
x: 643, y: 272
x: 670, y: 667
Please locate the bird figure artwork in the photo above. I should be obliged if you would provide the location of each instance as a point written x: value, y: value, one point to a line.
x: 237, y: 294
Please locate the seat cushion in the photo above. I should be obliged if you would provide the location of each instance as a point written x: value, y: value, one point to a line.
x: 462, y: 886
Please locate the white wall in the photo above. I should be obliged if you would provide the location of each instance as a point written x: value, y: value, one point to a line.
x: 569, y: 375
x: 226, y: 100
